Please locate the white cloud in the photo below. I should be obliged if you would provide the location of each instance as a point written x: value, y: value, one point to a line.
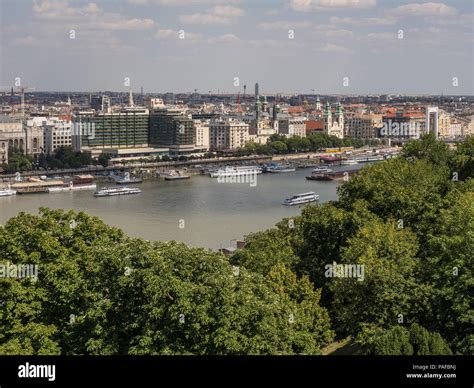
x: 227, y: 38
x: 333, y: 48
x: 424, y: 9
x: 173, y: 34
x: 311, y: 5
x: 377, y: 21
x: 284, y: 25
x: 215, y: 15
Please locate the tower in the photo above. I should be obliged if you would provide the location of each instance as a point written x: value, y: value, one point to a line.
x: 327, y: 118
x: 130, y: 99
x: 265, y: 104
x: 256, y: 91
x: 318, y: 103
x: 257, y: 110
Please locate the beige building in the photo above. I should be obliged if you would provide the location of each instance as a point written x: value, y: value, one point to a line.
x: 28, y: 139
x: 294, y: 126
x: 228, y: 134
x: 363, y: 126
x: 202, y: 134
x: 334, y: 126
x: 444, y: 122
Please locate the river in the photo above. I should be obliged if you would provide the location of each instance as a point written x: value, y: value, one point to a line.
x: 200, y: 211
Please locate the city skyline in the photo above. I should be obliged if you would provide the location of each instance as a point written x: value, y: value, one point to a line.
x: 288, y: 46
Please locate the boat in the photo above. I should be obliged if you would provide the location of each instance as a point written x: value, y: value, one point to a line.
x: 82, y: 182
x: 280, y: 169
x: 33, y: 190
x: 78, y: 182
x: 7, y: 191
x: 330, y: 159
x: 322, y: 169
x: 300, y: 199
x: 173, y: 175
x: 368, y: 159
x: 127, y: 180
x: 235, y: 171
x: 114, y: 191
x: 331, y: 176
x: 349, y: 162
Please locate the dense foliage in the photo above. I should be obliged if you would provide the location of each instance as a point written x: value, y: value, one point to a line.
x: 280, y: 144
x: 408, y: 222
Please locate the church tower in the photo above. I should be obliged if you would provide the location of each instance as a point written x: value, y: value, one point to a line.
x: 327, y: 118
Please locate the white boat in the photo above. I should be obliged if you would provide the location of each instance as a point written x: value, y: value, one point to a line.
x: 173, y: 175
x: 280, y: 169
x: 235, y: 171
x: 114, y: 191
x: 300, y: 199
x: 79, y: 182
x: 7, y: 191
x: 349, y: 162
x: 319, y: 170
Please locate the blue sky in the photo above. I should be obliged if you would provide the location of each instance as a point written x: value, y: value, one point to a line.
x: 286, y: 45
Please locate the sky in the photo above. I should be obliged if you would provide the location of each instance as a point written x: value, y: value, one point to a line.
x: 288, y: 46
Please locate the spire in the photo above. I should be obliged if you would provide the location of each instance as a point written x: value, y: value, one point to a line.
x: 130, y: 99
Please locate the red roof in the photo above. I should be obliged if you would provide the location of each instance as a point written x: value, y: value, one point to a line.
x: 295, y: 109
x: 314, y: 126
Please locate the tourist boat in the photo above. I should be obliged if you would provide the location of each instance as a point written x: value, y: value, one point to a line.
x: 368, y: 159
x: 173, y: 175
x: 7, y: 191
x: 280, y: 169
x: 300, y: 199
x: 114, y: 191
x: 322, y: 169
x: 235, y: 171
x: 349, y: 162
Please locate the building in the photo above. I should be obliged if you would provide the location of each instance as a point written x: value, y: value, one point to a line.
x: 293, y: 126
x: 444, y: 122
x: 363, y: 126
x: 172, y: 128
x: 99, y: 131
x: 403, y: 126
x: 3, y: 151
x: 228, y: 134
x: 25, y: 138
x: 314, y: 126
x: 202, y: 134
x: 57, y: 133
x: 334, y: 126
x: 100, y: 103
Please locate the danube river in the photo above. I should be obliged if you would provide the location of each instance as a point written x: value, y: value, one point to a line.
x: 199, y: 211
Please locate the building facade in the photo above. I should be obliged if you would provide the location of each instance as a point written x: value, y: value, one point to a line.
x: 294, y: 126
x: 171, y: 128
x: 334, y: 126
x: 125, y: 129
x: 363, y: 126
x: 228, y: 134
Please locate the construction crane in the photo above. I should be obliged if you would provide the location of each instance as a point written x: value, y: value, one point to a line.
x: 21, y: 91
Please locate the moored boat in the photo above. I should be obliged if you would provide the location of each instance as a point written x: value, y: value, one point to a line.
x: 115, y: 191
x: 173, y: 175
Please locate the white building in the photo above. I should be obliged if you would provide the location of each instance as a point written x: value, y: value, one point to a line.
x: 228, y: 134
x: 57, y: 133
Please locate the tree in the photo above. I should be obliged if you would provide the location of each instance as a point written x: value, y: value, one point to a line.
x: 402, y: 341
x: 100, y: 292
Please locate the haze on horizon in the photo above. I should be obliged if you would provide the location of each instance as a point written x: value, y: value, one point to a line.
x: 300, y: 46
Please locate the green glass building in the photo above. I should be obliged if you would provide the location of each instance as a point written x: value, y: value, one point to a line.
x: 125, y: 129
x: 170, y: 128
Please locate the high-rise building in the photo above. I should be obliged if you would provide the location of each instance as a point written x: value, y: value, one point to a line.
x: 100, y: 103
x: 257, y: 92
x: 171, y: 128
x: 125, y: 129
